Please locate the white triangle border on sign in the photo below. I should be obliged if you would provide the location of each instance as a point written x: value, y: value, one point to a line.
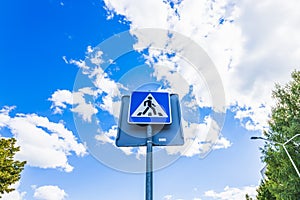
x: 141, y: 108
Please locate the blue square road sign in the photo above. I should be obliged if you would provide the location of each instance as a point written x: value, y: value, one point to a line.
x: 134, y: 135
x: 149, y: 108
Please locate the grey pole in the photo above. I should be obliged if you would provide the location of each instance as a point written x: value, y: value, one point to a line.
x: 149, y: 165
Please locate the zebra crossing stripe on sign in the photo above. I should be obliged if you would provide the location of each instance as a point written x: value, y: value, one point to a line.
x: 149, y: 108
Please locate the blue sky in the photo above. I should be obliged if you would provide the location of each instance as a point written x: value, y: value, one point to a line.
x: 65, y: 65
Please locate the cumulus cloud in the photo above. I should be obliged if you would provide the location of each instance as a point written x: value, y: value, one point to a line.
x: 107, y: 136
x: 168, y: 197
x: 232, y: 193
x: 100, y: 87
x: 253, y: 44
x: 229, y: 193
x: 49, y: 192
x: 222, y: 143
x: 200, y: 139
x: 110, y: 138
x: 131, y: 13
x: 60, y: 99
x: 77, y: 100
x: 43, y: 143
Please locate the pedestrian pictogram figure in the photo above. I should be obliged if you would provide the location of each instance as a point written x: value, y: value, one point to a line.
x: 150, y: 105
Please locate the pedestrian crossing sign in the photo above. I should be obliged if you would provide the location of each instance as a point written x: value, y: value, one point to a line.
x: 149, y: 108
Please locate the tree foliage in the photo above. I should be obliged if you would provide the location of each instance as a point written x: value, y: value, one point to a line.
x: 248, y: 197
x: 264, y: 193
x: 10, y: 169
x: 282, y: 180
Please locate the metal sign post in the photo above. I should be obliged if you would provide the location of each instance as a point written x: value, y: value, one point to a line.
x: 159, y: 113
x: 149, y: 165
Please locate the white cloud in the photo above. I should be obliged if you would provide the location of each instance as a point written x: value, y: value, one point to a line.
x: 200, y: 144
x: 65, y: 59
x: 81, y: 106
x: 232, y: 193
x: 4, y: 115
x: 42, y: 143
x: 14, y: 195
x: 222, y: 143
x: 62, y: 98
x: 100, y: 86
x: 253, y: 44
x: 180, y: 81
x: 144, y: 9
x: 49, y: 192
x: 168, y: 197
x: 109, y: 88
x: 108, y: 136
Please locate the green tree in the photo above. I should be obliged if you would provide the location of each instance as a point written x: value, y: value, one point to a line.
x: 263, y: 192
x: 282, y: 180
x: 10, y: 169
x: 248, y: 197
